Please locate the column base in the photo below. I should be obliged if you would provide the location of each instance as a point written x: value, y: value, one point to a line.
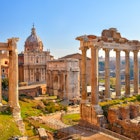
x: 135, y: 93
x: 97, y: 109
x: 84, y: 101
x: 118, y: 97
x: 92, y: 114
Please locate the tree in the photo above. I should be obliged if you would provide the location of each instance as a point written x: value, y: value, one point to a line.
x: 5, y: 82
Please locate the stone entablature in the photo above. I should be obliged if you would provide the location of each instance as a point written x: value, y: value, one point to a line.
x: 63, y: 78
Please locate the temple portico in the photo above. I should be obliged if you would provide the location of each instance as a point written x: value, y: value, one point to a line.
x: 109, y: 40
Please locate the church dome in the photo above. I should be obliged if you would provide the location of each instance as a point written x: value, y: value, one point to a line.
x: 33, y: 43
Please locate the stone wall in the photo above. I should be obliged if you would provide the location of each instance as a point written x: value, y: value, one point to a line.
x: 91, y: 116
x: 125, y: 120
x: 32, y: 91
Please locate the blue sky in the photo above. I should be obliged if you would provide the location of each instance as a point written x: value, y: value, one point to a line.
x: 59, y: 22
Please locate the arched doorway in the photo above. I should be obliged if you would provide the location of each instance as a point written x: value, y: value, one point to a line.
x: 37, y: 76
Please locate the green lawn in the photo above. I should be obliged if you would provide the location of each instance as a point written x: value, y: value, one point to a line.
x: 30, y: 108
x: 8, y: 127
x: 71, y: 119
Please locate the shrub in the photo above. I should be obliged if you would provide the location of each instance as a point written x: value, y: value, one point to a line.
x: 138, y: 98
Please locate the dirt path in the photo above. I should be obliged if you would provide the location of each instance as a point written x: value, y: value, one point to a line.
x: 55, y: 121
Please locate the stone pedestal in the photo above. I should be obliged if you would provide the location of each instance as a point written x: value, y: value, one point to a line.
x: 91, y: 115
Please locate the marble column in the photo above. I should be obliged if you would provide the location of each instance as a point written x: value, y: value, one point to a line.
x: 13, y: 72
x: 118, y: 78
x: 127, y: 73
x: 107, y: 74
x: 0, y: 81
x: 83, y: 75
x: 136, y: 72
x: 94, y: 76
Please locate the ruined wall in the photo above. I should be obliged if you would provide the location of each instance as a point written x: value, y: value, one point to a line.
x: 90, y: 117
x: 125, y: 120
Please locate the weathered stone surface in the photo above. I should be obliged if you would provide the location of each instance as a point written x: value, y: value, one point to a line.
x: 134, y: 110
x: 42, y: 134
x: 124, y: 112
x: 63, y: 78
x: 113, y: 115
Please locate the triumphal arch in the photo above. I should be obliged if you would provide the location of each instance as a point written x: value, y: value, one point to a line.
x: 109, y: 40
x: 11, y: 47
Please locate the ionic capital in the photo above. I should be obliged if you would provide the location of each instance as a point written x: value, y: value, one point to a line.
x: 127, y: 51
x: 107, y: 50
x: 84, y: 48
x: 117, y: 50
x: 12, y: 43
x: 135, y: 51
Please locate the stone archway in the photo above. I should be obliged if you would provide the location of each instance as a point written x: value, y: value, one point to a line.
x: 37, y: 76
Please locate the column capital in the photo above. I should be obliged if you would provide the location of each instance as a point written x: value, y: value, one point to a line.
x: 12, y: 43
x: 84, y: 48
x: 135, y: 51
x: 117, y: 50
x: 127, y: 51
x: 94, y: 47
x: 106, y: 49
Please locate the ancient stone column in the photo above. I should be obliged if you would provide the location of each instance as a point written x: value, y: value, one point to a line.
x: 136, y: 72
x: 127, y: 73
x: 94, y: 75
x: 107, y: 74
x: 118, y: 80
x: 13, y: 72
x: 83, y: 75
x: 0, y: 82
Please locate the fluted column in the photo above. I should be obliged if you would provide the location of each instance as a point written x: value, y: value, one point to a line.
x: 118, y: 80
x: 94, y: 76
x: 127, y: 73
x: 107, y: 74
x: 136, y: 72
x: 83, y: 75
x: 13, y: 72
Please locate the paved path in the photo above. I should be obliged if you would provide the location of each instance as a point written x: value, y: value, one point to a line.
x: 54, y: 121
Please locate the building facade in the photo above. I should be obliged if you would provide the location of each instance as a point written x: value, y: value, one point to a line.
x: 63, y: 78
x: 33, y: 60
x: 88, y: 66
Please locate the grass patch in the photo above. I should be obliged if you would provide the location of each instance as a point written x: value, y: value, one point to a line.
x: 30, y: 108
x: 123, y: 102
x: 71, y: 119
x: 8, y: 127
